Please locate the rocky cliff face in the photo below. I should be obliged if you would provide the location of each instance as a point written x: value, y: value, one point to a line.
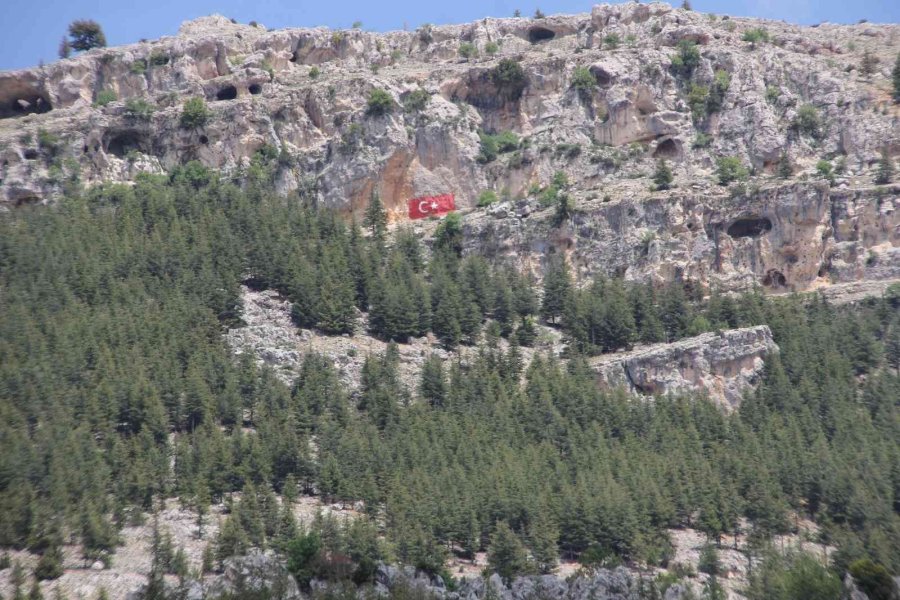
x: 303, y: 92
x: 721, y: 364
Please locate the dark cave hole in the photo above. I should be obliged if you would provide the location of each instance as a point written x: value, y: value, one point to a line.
x: 31, y: 154
x: 666, y: 149
x: 204, y: 140
x: 540, y: 34
x: 255, y: 89
x: 749, y: 227
x: 775, y: 278
x: 123, y: 142
x: 603, y: 78
x: 227, y: 93
x: 27, y: 105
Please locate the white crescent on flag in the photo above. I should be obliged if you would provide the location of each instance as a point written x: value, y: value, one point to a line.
x: 431, y: 205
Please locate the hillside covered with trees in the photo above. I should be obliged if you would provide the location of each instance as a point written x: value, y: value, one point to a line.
x: 117, y: 390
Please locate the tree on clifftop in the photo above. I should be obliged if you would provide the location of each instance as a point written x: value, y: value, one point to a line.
x: 86, y: 34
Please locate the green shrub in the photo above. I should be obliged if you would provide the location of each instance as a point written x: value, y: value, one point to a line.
x: 873, y: 579
x: 138, y: 67
x: 314, y: 72
x: 486, y: 198
x: 492, y: 145
x: 194, y: 113
x: 158, y: 59
x: 48, y: 142
x: 808, y: 122
x: 468, y: 50
x: 509, y: 79
x: 138, y: 109
x: 730, y: 168
x: 702, y: 140
x: 696, y: 100
x: 583, y: 81
x: 720, y: 85
x: 755, y: 36
x: 612, y: 41
x: 773, y: 92
x: 825, y: 170
x: 687, y: 59
x: 416, y: 100
x: 104, y: 97
x: 379, y: 103
x: 567, y: 151
x: 663, y: 178
x: 491, y: 48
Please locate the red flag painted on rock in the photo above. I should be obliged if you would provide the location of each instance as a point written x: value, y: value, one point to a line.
x: 426, y: 206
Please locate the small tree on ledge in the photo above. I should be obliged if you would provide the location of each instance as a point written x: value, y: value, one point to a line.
x: 86, y: 34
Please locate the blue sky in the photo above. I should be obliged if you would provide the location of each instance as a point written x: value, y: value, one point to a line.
x: 32, y: 28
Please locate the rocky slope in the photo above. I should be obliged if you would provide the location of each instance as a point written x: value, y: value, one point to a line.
x: 302, y: 92
x: 722, y: 364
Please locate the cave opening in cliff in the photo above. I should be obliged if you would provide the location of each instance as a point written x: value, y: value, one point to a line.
x: 775, y: 279
x: 25, y: 102
x: 668, y: 149
x: 602, y: 76
x: 30, y: 154
x: 749, y: 227
x: 255, y: 88
x: 540, y: 34
x: 227, y: 93
x: 121, y: 143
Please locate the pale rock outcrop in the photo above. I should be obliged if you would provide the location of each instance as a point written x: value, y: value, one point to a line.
x: 721, y: 364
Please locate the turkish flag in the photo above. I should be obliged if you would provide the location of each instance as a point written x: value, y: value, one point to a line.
x: 426, y: 206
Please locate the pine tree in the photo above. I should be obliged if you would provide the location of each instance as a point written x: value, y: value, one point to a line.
x: 869, y: 63
x: 895, y: 77
x: 375, y: 218
x: 432, y: 386
x: 65, y: 48
x: 543, y: 537
x: 785, y: 169
x: 885, y: 173
x: 662, y: 178
x: 50, y: 564
x: 35, y: 592
x: 336, y: 308
x: 506, y: 554
x: 557, y: 290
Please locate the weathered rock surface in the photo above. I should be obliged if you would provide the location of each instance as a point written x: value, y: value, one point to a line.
x: 782, y: 238
x: 721, y: 364
x: 272, y: 338
x: 796, y: 236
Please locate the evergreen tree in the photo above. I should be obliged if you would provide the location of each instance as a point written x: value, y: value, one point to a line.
x: 895, y: 78
x: 506, y: 553
x: 375, y: 219
x: 662, y: 178
x: 557, y: 290
x: 432, y: 387
x: 785, y: 169
x: 50, y: 564
x: 336, y: 308
x: 543, y: 539
x: 885, y: 173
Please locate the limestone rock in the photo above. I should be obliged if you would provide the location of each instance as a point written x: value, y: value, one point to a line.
x: 721, y: 364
